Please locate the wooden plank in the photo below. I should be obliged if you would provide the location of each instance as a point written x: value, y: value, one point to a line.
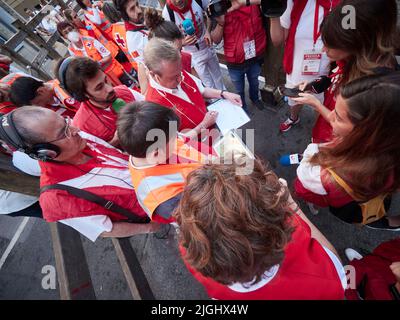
x: 12, y: 179
x: 71, y: 265
x: 40, y: 57
x: 134, y: 275
x: 39, y: 41
x: 11, y: 11
x: 15, y: 40
x: 24, y: 62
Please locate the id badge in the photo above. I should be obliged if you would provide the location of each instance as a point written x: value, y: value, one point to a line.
x: 249, y: 48
x: 311, y: 62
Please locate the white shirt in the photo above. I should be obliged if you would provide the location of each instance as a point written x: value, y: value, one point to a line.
x: 136, y: 41
x: 104, y: 52
x: 304, y: 40
x: 95, y: 17
x: 178, y: 92
x: 93, y: 226
x: 198, y: 12
x: 13, y: 201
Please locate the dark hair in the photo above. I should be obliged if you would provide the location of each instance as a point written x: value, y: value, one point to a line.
x: 24, y: 90
x: 371, y: 44
x: 81, y: 4
x: 120, y: 5
x: 233, y: 227
x: 159, y: 27
x: 78, y: 72
x: 137, y: 119
x: 68, y: 14
x: 367, y: 158
x: 112, y: 14
x: 62, y: 25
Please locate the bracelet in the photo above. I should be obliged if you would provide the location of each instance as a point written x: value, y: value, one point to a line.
x: 222, y: 94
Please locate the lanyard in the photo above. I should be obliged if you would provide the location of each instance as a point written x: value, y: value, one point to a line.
x: 100, y: 159
x: 317, y: 33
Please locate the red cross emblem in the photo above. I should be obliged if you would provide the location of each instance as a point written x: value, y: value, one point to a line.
x: 119, y: 40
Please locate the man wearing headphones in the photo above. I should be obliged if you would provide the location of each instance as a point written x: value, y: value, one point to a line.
x: 173, y: 88
x: 87, y: 83
x: 69, y: 157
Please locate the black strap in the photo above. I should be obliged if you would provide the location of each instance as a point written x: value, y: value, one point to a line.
x: 89, y: 196
x: 171, y: 13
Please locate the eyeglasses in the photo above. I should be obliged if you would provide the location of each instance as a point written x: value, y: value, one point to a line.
x: 66, y: 131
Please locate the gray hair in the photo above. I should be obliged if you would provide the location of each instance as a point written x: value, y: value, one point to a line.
x: 158, y: 51
x: 26, y: 119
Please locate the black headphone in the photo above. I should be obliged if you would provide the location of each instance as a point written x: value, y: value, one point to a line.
x: 62, y: 71
x: 39, y: 151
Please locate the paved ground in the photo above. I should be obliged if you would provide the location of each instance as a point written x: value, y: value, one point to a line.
x: 21, y: 277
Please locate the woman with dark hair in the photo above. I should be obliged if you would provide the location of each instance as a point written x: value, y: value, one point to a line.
x: 363, y: 47
x: 359, y: 168
x: 243, y: 237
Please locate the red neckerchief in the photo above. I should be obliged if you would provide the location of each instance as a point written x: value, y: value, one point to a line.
x: 337, y: 75
x: 187, y: 8
x: 5, y: 66
x: 297, y: 11
x: 176, y: 9
x: 134, y: 27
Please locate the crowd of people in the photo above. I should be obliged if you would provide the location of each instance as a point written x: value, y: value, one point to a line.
x: 118, y: 139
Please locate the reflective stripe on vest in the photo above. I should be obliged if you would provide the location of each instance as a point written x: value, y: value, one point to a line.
x: 10, y: 78
x: 104, y: 24
x: 119, y: 37
x: 159, y: 187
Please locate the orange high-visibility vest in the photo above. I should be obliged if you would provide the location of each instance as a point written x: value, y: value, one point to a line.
x: 92, y: 31
x: 119, y: 37
x: 65, y: 99
x: 114, y: 70
x: 104, y: 26
x: 158, y: 184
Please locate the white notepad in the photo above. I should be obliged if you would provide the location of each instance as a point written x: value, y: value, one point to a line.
x: 230, y: 116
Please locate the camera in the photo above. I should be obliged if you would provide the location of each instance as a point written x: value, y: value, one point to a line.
x: 273, y: 8
x: 218, y: 8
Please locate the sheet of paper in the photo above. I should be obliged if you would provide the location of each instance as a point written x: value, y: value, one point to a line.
x: 230, y: 116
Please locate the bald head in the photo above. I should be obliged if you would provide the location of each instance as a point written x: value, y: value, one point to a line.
x: 33, y: 122
x: 41, y: 125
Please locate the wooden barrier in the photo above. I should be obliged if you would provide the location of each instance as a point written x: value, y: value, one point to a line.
x: 72, y: 269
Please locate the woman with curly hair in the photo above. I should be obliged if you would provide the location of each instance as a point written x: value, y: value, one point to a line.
x: 243, y: 237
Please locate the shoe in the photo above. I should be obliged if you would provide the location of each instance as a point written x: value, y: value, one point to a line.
x: 287, y: 125
x: 352, y: 254
x: 259, y: 105
x: 382, y: 224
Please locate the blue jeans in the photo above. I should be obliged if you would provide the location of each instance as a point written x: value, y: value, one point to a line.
x: 252, y: 72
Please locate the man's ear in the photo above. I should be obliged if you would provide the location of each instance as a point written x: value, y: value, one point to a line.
x: 41, y: 91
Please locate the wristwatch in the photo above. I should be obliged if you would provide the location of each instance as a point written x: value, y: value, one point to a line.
x: 222, y: 94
